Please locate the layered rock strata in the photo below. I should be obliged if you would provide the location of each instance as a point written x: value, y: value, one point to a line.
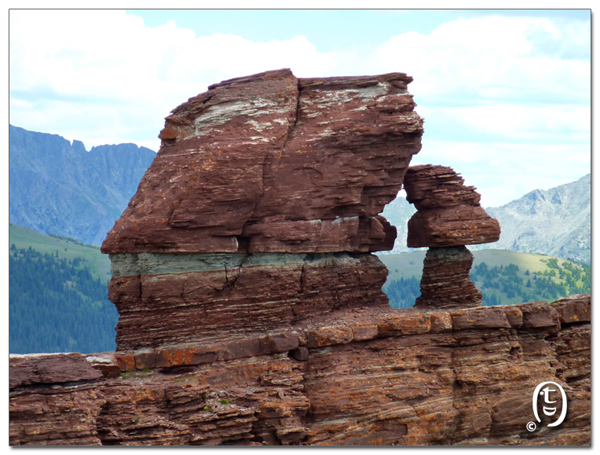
x: 251, y: 309
x: 369, y: 377
x: 168, y: 299
x: 448, y: 217
x: 261, y: 208
x: 445, y: 282
x: 272, y: 163
x: 448, y: 212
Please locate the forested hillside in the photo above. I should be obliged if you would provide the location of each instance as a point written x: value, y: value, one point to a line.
x: 57, y: 305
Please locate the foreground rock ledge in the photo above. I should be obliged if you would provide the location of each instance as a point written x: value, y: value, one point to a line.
x: 367, y: 377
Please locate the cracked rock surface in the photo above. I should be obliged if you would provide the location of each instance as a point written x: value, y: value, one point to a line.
x: 361, y: 377
x: 262, y: 207
x: 272, y: 163
x: 250, y: 294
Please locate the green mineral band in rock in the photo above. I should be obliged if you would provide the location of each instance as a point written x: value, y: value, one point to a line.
x: 126, y: 264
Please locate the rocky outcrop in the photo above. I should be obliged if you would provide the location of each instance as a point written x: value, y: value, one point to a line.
x: 272, y: 163
x: 261, y: 208
x: 448, y: 217
x: 370, y: 377
x: 251, y: 309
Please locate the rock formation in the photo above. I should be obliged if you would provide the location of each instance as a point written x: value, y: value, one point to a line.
x: 448, y: 217
x: 448, y: 212
x: 272, y: 163
x: 251, y: 309
x: 445, y: 282
x: 261, y: 207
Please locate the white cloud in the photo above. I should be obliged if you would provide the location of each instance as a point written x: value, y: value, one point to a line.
x: 505, y: 99
x: 492, y: 57
x: 503, y: 172
x: 550, y: 123
x: 109, y: 76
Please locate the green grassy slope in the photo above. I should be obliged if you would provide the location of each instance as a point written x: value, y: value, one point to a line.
x: 98, y: 263
x: 405, y: 265
x: 504, y: 277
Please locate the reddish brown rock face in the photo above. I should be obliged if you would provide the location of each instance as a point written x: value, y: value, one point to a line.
x: 251, y: 309
x: 445, y: 282
x: 261, y: 207
x: 448, y: 212
x: 363, y: 377
x: 271, y: 163
x: 250, y: 294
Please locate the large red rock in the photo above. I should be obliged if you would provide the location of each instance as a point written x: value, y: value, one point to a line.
x: 448, y: 212
x: 272, y: 163
x: 251, y: 309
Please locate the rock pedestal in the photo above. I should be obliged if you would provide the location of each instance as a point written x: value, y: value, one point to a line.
x: 445, y: 282
x: 448, y: 217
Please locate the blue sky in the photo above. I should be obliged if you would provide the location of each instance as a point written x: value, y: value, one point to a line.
x: 330, y: 29
x: 505, y: 94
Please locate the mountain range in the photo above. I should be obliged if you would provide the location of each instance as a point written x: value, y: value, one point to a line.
x: 57, y: 187
x: 554, y: 222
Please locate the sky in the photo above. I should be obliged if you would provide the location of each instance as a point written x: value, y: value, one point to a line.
x: 505, y: 94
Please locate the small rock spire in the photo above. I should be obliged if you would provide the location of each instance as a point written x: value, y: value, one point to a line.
x: 448, y: 217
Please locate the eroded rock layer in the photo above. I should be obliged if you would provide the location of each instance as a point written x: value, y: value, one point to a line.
x: 261, y: 208
x: 272, y: 163
x: 169, y: 299
x: 448, y: 212
x: 448, y: 217
x: 445, y: 282
x: 369, y: 376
